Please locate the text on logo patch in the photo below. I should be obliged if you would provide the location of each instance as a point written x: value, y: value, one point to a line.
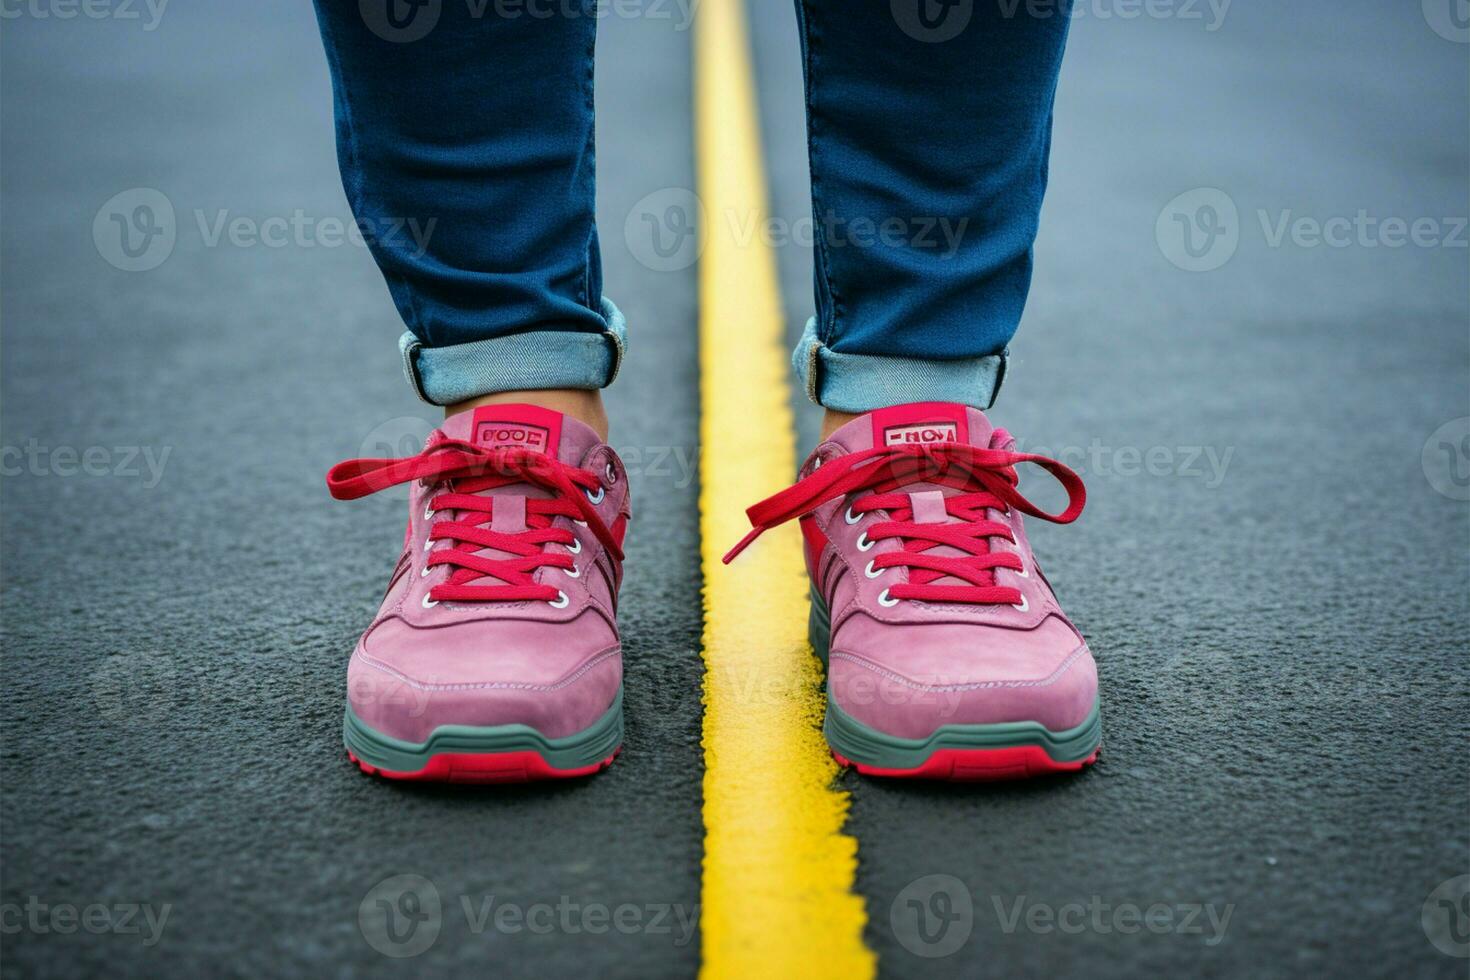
x: 493, y: 435
x: 899, y: 435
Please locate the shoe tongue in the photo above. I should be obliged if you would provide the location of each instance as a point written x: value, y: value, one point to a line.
x: 918, y: 424
x: 921, y: 422
x: 540, y: 430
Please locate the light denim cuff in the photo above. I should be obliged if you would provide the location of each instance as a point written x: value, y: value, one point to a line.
x: 531, y: 361
x: 866, y: 382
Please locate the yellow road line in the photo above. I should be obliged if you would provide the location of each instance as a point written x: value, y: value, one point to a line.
x: 778, y: 871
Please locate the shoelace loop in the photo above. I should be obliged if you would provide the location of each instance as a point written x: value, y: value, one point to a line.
x: 474, y: 470
x: 986, y: 479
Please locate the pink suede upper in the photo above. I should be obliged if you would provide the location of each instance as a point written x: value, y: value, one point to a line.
x: 494, y: 663
x: 908, y: 668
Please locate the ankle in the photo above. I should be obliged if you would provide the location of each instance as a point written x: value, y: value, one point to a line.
x: 832, y: 421
x: 584, y: 406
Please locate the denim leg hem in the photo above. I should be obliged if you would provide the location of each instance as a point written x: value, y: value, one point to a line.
x: 866, y: 382
x: 531, y: 361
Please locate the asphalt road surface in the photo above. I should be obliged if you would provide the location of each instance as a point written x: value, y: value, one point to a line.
x: 1250, y: 329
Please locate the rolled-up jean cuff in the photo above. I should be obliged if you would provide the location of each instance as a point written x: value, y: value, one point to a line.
x: 866, y: 382
x: 531, y: 361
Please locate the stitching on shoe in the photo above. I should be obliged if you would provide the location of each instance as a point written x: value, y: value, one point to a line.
x: 1061, y: 669
x: 489, y: 685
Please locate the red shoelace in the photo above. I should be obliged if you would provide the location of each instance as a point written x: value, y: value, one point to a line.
x: 468, y: 471
x: 986, y: 479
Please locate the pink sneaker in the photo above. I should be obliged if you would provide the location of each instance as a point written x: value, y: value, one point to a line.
x: 495, y: 655
x: 948, y: 656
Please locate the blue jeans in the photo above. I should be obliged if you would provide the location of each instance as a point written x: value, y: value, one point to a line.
x: 929, y: 124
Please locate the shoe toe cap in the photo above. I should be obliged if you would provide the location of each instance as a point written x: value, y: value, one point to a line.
x: 405, y: 686
x: 973, y: 676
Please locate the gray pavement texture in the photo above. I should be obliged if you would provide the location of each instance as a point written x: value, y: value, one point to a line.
x: 1272, y: 568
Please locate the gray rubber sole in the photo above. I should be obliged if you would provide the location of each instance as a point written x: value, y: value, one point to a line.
x: 588, y: 747
x: 859, y: 743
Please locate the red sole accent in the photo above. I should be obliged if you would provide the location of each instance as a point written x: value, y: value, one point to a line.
x: 979, y: 765
x: 486, y: 767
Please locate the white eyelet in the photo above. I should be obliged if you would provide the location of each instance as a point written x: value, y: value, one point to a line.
x: 863, y: 544
x: 597, y: 499
x: 817, y: 465
x: 560, y: 602
x: 850, y: 517
x: 883, y: 599
x: 579, y: 523
x: 429, y: 603
x: 1023, y: 606
x: 428, y: 544
x: 1022, y: 573
x: 425, y: 572
x: 575, y: 548
x: 428, y: 511
x: 872, y: 572
x: 572, y: 572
